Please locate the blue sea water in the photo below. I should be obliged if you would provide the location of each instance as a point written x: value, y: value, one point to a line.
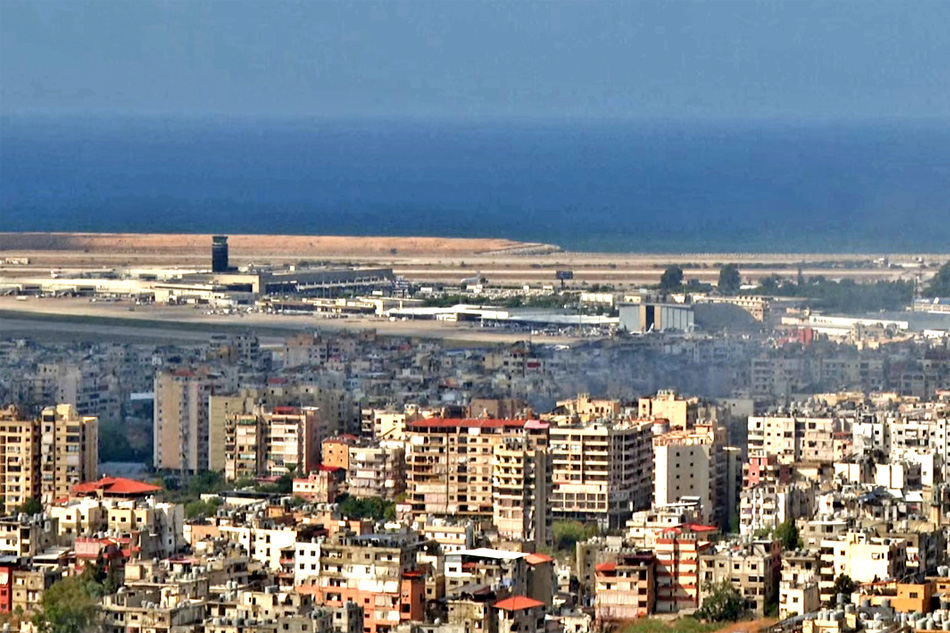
x: 623, y: 186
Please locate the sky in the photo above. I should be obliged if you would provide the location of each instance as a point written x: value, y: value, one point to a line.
x: 458, y: 59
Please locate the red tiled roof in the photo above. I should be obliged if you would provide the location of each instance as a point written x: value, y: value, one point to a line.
x: 537, y: 559
x: 605, y: 567
x: 518, y: 603
x: 286, y: 410
x: 115, y: 486
x: 696, y: 527
x: 346, y: 438
x: 467, y: 423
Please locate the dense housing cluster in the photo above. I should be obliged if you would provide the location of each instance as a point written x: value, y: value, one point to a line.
x: 356, y: 483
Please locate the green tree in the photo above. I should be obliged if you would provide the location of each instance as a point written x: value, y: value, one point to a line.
x: 672, y: 278
x: 568, y: 533
x: 66, y: 607
x: 843, y: 584
x: 788, y: 535
x: 199, y: 508
x: 770, y: 285
x: 723, y: 603
x: 375, y: 508
x: 31, y: 506
x: 939, y: 285
x: 729, y: 279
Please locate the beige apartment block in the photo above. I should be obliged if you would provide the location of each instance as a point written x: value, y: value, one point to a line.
x: 602, y: 471
x: 181, y: 427
x: 798, y: 589
x: 292, y: 440
x: 69, y: 450
x: 793, y: 439
x: 625, y: 587
x: 863, y: 557
x: 677, y: 567
x: 586, y: 408
x: 334, y: 409
x: 386, y: 425
x: 522, y: 488
x: 44, y: 458
x: 459, y: 467
x: 690, y: 465
x: 19, y: 459
x: 377, y: 471
x: 243, y: 436
x: 271, y: 443
x: 754, y: 569
x: 682, y: 413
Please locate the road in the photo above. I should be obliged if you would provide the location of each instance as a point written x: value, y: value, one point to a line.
x: 80, y: 317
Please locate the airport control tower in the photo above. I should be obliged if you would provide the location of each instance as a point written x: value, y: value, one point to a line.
x: 219, y: 253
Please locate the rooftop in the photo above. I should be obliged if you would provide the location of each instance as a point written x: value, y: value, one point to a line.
x: 116, y: 486
x: 518, y: 603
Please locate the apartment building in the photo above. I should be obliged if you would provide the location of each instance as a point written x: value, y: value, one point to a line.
x: 465, y: 467
x: 682, y: 413
x: 601, y: 471
x: 22, y: 536
x: 382, y: 424
x: 677, y: 566
x: 451, y: 536
x: 870, y: 433
x: 149, y: 609
x: 243, y: 439
x: 44, y: 458
x: 586, y: 409
x: 271, y: 443
x: 320, y: 486
x: 19, y: 459
x: 376, y: 572
x: 519, y: 614
x: 793, y: 439
x: 470, y: 610
x: 90, y: 386
x: 766, y: 506
x: 336, y: 451
x: 28, y: 586
x: 69, y: 450
x: 798, y: 588
x: 862, y: 557
x: 334, y: 409
x: 181, y: 418
x: 483, y: 566
x: 645, y: 526
x: 691, y: 464
x: 261, y: 540
x: 754, y: 569
x: 625, y: 587
x: 377, y: 471
x: 521, y: 483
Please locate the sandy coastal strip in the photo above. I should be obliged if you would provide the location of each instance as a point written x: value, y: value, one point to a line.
x: 157, y: 244
x: 434, y: 259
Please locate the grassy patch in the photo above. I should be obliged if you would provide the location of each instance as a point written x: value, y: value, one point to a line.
x: 680, y: 625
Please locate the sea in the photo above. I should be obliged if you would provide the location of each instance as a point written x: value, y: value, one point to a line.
x: 617, y: 186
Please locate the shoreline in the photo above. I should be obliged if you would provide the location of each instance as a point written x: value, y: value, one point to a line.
x: 259, y: 244
x: 435, y: 260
